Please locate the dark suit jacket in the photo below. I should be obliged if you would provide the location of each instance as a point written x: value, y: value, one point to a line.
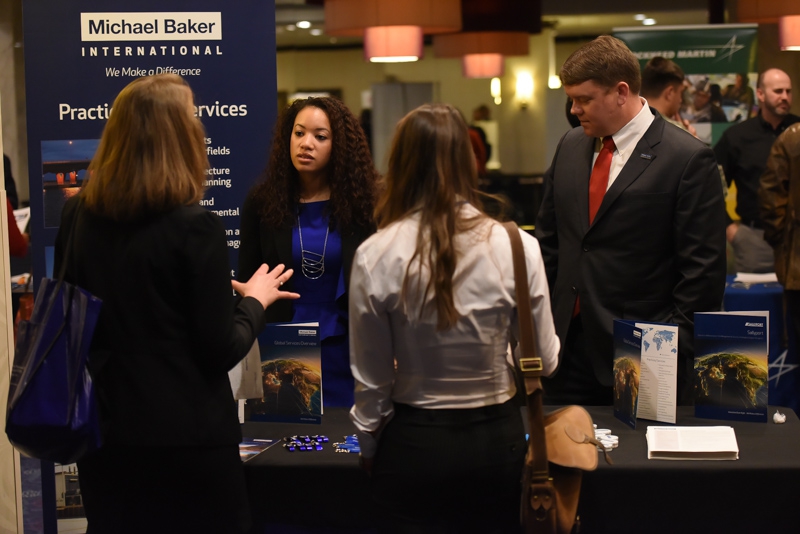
x: 168, y: 330
x: 656, y: 249
x: 262, y: 243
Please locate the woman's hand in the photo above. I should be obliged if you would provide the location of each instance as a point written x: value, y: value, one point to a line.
x: 265, y: 285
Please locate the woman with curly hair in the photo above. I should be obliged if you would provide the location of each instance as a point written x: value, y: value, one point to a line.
x: 311, y: 211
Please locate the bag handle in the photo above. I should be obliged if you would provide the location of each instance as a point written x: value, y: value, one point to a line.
x: 530, y: 364
x: 62, y: 271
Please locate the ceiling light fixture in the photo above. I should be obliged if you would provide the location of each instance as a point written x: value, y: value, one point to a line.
x: 482, y: 53
x: 304, y: 24
x: 789, y: 33
x: 649, y: 22
x: 482, y: 65
x: 490, y: 31
x: 765, y: 11
x: 393, y: 44
x: 389, y: 26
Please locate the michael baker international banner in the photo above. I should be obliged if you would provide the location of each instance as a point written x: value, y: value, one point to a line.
x: 80, y: 54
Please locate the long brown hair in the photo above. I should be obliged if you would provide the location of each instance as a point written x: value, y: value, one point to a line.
x: 351, y: 174
x: 151, y: 157
x: 432, y: 169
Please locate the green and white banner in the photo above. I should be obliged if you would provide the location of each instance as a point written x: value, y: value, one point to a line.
x: 720, y: 65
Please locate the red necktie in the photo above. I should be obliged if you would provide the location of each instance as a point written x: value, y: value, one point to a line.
x: 598, y: 182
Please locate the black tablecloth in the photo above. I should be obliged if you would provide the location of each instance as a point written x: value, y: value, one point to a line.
x: 314, y: 488
x: 760, y: 492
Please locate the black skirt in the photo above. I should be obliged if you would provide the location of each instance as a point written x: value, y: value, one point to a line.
x: 450, y: 470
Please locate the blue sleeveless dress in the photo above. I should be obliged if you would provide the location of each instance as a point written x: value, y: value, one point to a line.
x: 317, y: 302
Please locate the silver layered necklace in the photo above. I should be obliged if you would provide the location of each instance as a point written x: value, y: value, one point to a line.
x: 312, y: 264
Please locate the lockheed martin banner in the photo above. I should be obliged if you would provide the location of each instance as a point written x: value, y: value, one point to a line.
x: 720, y: 65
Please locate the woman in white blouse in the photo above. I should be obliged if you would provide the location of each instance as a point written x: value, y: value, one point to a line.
x: 432, y: 306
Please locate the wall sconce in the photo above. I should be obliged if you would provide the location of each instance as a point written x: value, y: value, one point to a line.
x: 524, y: 89
x: 494, y: 88
x: 789, y: 32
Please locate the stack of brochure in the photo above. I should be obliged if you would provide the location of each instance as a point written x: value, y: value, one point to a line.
x: 691, y: 443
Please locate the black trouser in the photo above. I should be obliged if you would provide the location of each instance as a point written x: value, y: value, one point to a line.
x: 442, y: 471
x: 575, y: 382
x: 130, y: 490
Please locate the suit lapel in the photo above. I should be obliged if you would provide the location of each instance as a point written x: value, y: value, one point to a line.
x: 583, y: 161
x: 638, y: 162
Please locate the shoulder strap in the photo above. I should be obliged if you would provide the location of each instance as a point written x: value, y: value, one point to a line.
x: 62, y: 271
x: 530, y: 364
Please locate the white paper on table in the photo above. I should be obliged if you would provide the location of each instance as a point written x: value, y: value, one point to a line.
x: 692, y: 443
x: 756, y: 278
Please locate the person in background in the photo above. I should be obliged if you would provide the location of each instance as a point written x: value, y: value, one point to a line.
x: 740, y: 91
x: 168, y: 330
x: 365, y: 119
x: 779, y: 202
x: 663, y: 87
x: 742, y: 152
x: 432, y: 301
x: 10, y: 184
x: 478, y: 148
x: 482, y: 113
x: 17, y: 241
x: 631, y: 225
x: 311, y: 210
x: 706, y: 103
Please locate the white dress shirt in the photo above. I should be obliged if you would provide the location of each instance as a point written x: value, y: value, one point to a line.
x: 625, y: 140
x: 465, y: 366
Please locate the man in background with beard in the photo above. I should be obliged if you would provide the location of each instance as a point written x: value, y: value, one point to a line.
x: 742, y: 152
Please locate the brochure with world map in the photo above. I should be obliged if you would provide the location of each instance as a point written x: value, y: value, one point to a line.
x: 731, y: 367
x: 645, y: 371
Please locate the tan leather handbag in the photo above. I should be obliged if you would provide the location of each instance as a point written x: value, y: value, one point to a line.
x: 561, y: 444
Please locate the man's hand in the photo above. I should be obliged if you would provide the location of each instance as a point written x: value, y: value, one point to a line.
x: 730, y: 231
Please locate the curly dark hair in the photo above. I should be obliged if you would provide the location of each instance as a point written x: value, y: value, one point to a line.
x: 351, y: 174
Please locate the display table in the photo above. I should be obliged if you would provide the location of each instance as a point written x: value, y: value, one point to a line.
x: 757, y: 493
x: 316, y: 488
x: 784, y: 368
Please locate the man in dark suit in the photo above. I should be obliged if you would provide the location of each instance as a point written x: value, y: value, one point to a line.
x: 653, y: 246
